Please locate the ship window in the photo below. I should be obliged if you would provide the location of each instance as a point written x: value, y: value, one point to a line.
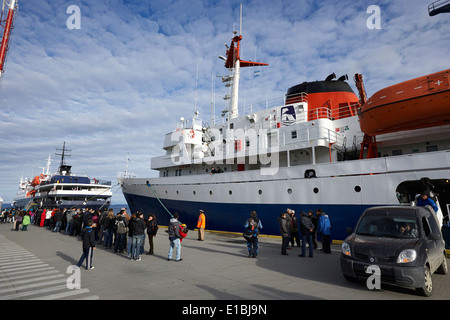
x: 397, y: 152
x: 210, y: 192
x: 289, y: 191
x: 294, y: 134
x: 194, y: 192
x: 260, y: 191
x: 316, y: 190
x: 432, y: 148
x: 230, y: 192
x: 357, y: 188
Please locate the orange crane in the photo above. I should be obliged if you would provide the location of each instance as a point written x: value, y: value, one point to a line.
x: 7, y: 25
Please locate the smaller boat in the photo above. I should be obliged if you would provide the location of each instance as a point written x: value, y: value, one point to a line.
x: 63, y: 189
x: 418, y: 103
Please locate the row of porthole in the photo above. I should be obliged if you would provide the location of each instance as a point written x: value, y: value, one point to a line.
x: 289, y: 191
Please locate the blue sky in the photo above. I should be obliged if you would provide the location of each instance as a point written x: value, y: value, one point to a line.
x: 122, y: 81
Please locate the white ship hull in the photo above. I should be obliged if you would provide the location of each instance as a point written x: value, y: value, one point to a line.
x: 342, y: 189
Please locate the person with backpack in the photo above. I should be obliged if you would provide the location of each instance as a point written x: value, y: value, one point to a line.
x: 251, y: 233
x: 121, y: 233
x: 174, y: 238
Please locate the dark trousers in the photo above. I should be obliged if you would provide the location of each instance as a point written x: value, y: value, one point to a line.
x: 284, y: 244
x: 150, y: 242
x: 326, y: 247
x: 87, y: 254
x: 121, y: 239
x: 295, y: 237
x: 307, y: 238
x: 252, y: 246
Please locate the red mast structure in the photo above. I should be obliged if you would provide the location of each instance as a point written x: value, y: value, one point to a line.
x: 12, y: 6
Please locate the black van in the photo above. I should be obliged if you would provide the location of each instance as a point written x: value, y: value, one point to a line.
x: 405, y: 243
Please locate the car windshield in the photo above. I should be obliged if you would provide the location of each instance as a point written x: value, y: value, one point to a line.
x: 388, y: 226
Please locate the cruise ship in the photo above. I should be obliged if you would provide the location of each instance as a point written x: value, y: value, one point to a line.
x: 320, y: 146
x: 62, y: 189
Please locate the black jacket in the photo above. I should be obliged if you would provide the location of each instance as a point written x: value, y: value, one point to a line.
x: 306, y: 225
x: 88, y: 237
x: 137, y: 227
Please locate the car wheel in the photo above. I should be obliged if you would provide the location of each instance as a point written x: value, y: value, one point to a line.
x: 427, y: 289
x: 443, y: 268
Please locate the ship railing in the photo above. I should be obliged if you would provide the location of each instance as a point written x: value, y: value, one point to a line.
x: 101, y: 182
x: 194, y: 123
x: 303, y: 138
x: 314, y: 113
x: 344, y: 111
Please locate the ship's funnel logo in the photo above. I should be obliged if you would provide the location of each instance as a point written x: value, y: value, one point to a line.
x: 288, y: 115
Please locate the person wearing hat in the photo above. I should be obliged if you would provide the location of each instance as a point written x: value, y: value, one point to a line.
x: 424, y: 200
x: 201, y: 225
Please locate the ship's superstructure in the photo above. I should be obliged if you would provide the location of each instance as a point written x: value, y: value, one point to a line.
x: 63, y: 189
x: 319, y: 146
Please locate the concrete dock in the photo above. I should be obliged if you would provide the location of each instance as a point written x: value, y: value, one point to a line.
x: 34, y: 265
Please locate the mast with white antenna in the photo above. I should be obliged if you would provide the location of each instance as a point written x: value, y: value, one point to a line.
x: 234, y: 63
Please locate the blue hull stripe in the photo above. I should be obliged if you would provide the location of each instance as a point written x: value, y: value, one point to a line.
x: 231, y: 217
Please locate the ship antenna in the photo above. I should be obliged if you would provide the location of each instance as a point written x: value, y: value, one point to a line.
x: 233, y: 62
x: 63, y: 155
x: 240, y: 21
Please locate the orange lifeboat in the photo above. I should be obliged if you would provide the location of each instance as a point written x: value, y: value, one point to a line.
x: 413, y: 104
x: 35, y: 181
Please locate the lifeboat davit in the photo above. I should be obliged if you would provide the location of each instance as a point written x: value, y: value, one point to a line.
x: 418, y: 103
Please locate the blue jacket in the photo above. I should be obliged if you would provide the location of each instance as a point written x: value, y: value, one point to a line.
x: 323, y: 225
x: 427, y: 202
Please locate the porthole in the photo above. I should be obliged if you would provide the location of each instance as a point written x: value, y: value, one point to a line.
x: 177, y: 192
x: 260, y: 192
x: 193, y: 192
x: 357, y: 189
x: 210, y: 192
x: 289, y: 191
x: 230, y: 192
x: 316, y: 190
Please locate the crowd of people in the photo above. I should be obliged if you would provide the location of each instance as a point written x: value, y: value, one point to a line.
x: 122, y: 233
x: 126, y: 233
x: 308, y: 230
